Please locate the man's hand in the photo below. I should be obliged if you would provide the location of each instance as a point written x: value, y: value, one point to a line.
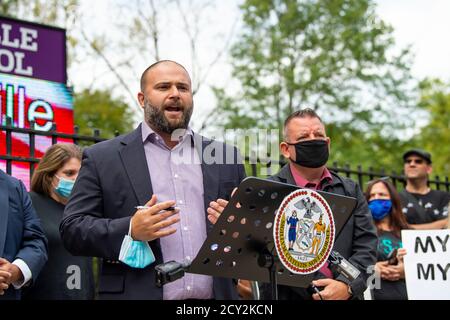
x: 149, y: 224
x: 216, y: 208
x: 9, y: 273
x: 15, y: 272
x: 4, y: 281
x: 333, y: 290
x: 244, y: 289
x: 5, y: 276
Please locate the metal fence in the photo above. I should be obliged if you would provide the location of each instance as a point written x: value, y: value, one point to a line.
x: 9, y: 130
x: 364, y: 177
x: 358, y: 174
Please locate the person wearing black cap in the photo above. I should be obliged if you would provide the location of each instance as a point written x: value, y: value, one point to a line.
x: 424, y: 208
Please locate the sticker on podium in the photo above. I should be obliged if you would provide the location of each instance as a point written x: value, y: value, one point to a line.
x: 304, y: 231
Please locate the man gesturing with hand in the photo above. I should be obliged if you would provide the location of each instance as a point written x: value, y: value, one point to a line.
x: 119, y: 207
x: 154, y: 222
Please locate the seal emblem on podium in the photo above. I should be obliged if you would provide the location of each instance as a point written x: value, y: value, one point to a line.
x: 304, y: 231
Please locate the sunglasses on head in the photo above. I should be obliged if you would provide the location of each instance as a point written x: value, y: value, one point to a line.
x: 418, y: 161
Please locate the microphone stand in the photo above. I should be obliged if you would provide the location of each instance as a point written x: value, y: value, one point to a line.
x: 267, y: 260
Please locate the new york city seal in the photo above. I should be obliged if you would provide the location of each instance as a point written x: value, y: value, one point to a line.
x: 304, y: 231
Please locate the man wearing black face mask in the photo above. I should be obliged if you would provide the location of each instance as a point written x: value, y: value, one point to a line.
x: 307, y: 146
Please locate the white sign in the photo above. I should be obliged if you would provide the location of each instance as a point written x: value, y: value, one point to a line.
x: 427, y: 264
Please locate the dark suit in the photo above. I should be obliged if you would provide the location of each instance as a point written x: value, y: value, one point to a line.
x: 357, y: 241
x: 114, y: 178
x: 21, y: 235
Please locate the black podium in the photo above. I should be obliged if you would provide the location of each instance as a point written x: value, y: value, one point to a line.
x: 245, y: 230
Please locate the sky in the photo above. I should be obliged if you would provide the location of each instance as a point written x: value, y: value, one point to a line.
x: 213, y: 36
x: 426, y: 26
x: 423, y: 24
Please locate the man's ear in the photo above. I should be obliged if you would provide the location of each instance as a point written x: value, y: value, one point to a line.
x: 284, y: 148
x: 429, y: 169
x: 141, y: 99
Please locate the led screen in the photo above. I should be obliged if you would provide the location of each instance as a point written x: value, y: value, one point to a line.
x: 24, y: 99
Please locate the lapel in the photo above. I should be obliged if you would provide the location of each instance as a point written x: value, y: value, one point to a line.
x: 4, y: 210
x: 211, y: 174
x: 135, y: 163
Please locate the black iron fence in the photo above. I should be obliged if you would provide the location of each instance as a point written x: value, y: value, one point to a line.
x: 358, y: 174
x: 8, y: 130
x: 364, y: 177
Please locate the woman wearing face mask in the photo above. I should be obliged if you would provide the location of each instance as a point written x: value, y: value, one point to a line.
x: 64, y: 277
x: 385, y: 206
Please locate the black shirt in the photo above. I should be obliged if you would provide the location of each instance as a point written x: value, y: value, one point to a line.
x: 389, y: 290
x: 58, y: 280
x: 434, y: 206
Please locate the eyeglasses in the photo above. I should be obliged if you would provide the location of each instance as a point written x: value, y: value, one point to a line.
x: 418, y: 161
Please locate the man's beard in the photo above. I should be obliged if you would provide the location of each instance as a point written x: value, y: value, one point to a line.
x: 155, y: 118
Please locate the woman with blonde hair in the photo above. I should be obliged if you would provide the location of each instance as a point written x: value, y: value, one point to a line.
x: 65, y: 277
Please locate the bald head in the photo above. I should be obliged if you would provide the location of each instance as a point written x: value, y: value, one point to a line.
x: 160, y: 63
x: 166, y: 97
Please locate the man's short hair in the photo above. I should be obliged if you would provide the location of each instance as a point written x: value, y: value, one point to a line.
x: 154, y: 65
x: 302, y: 113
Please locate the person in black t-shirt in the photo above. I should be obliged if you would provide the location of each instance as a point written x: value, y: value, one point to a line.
x: 424, y: 208
x: 385, y: 206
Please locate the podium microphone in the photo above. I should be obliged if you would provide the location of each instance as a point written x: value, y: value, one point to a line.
x: 170, y: 271
x: 342, y: 266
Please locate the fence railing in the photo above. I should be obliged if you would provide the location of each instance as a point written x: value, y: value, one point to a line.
x: 363, y: 177
x: 358, y: 174
x: 9, y: 130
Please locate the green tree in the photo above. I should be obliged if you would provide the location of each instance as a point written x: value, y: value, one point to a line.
x: 7, y: 6
x: 334, y: 56
x: 435, y: 136
x: 370, y: 150
x: 98, y: 110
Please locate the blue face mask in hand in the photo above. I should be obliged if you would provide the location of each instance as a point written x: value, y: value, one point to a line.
x: 380, y: 208
x: 136, y: 254
x: 64, y: 187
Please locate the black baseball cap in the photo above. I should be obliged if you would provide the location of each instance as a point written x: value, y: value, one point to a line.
x: 418, y: 152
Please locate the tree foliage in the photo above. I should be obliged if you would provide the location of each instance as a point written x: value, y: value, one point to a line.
x: 98, y: 110
x: 337, y: 57
x: 435, y: 136
x: 93, y: 109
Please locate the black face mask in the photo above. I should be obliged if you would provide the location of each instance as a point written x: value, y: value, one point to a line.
x: 311, y: 153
